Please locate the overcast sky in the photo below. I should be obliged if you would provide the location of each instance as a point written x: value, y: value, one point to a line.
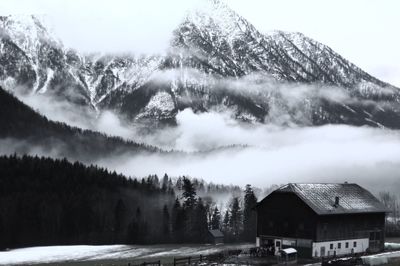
x: 363, y: 31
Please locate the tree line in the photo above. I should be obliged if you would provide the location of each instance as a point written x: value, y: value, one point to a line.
x: 45, y: 201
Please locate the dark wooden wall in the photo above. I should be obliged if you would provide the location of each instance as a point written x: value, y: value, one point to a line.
x: 286, y: 215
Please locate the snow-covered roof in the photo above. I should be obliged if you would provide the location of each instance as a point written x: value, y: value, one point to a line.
x: 216, y: 233
x: 322, y: 198
x: 289, y: 250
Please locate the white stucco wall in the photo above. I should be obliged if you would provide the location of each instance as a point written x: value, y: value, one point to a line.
x: 362, y: 245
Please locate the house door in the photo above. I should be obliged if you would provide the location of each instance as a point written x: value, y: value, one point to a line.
x: 278, y: 246
x: 322, y: 251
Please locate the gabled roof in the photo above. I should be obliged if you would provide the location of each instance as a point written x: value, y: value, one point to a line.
x: 216, y: 233
x: 321, y: 198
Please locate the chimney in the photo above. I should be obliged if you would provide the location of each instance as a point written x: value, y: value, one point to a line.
x: 336, y: 201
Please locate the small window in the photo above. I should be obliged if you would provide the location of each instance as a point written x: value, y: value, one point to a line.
x: 347, y: 244
x: 331, y: 246
x: 339, y: 245
x: 355, y: 244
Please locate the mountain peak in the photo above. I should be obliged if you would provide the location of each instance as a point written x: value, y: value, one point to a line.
x: 215, y: 16
x: 26, y: 30
x: 212, y: 44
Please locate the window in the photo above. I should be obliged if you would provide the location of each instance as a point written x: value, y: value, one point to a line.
x: 339, y: 245
x: 347, y: 244
x: 331, y: 246
x: 372, y: 236
x: 355, y: 244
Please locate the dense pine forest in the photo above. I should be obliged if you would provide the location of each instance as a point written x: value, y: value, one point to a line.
x: 46, y: 201
x: 20, y: 123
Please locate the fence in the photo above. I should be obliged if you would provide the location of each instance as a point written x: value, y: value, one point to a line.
x: 153, y: 263
x: 194, y: 260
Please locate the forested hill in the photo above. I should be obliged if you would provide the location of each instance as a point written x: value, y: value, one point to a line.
x: 19, y: 122
x: 46, y: 201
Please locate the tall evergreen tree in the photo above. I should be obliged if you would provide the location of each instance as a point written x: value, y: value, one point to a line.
x: 164, y: 185
x: 249, y: 215
x: 170, y: 187
x: 226, y: 221
x: 215, y: 219
x: 188, y: 194
x: 235, y: 218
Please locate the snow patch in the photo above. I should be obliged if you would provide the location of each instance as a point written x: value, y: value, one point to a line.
x: 54, y: 254
x: 9, y: 83
x: 50, y: 75
x: 380, y: 259
x: 161, y: 104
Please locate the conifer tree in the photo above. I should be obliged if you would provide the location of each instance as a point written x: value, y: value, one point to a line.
x: 189, y: 194
x: 249, y: 215
x: 216, y: 219
x: 164, y: 185
x: 235, y: 219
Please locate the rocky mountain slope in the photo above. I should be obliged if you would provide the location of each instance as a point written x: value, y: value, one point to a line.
x: 217, y: 61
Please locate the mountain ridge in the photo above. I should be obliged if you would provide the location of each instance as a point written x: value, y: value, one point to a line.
x: 210, y: 45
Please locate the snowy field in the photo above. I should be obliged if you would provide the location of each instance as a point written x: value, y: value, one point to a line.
x: 380, y: 259
x: 54, y: 254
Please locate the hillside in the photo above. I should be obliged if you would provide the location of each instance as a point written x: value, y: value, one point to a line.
x: 31, y: 132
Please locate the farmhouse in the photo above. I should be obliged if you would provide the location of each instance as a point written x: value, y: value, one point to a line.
x: 321, y: 220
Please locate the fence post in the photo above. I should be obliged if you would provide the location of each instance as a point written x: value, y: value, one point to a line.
x: 159, y: 262
x: 174, y: 261
x: 189, y: 260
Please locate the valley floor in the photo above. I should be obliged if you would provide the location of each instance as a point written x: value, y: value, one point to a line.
x: 107, y: 255
x: 82, y: 255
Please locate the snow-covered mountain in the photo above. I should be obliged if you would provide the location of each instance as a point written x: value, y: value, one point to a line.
x: 216, y: 61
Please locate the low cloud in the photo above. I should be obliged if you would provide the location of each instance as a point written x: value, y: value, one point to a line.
x: 273, y: 155
x: 221, y: 149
